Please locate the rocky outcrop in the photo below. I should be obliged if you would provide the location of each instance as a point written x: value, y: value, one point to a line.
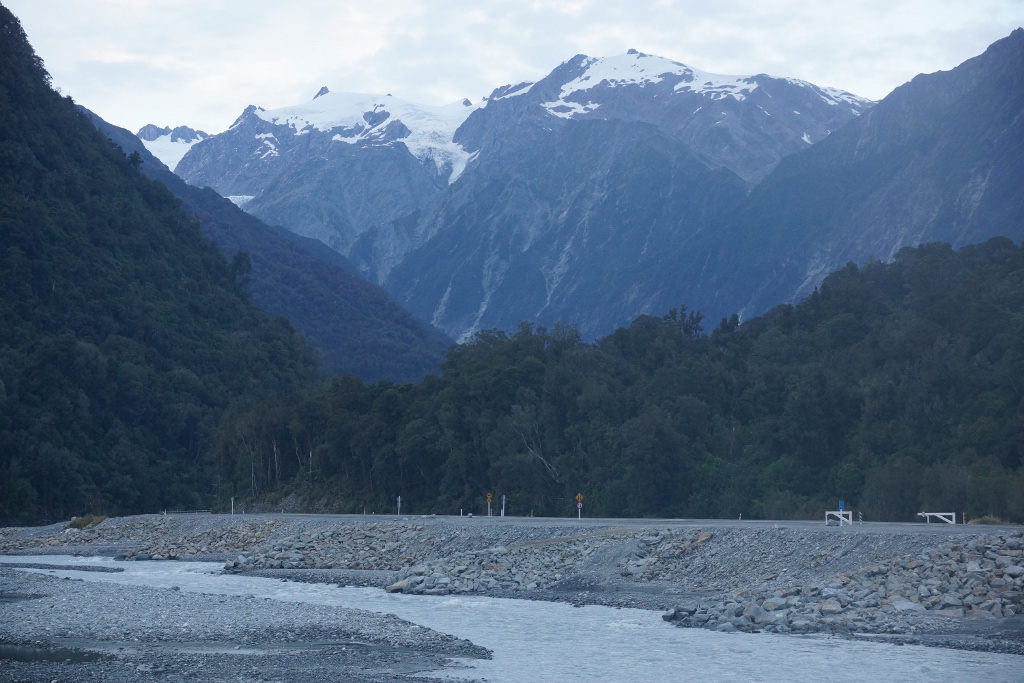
x: 980, y: 578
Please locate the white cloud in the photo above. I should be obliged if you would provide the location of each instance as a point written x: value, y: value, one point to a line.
x: 175, y: 62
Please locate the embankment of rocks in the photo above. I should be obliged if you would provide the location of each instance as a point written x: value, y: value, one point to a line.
x: 978, y: 577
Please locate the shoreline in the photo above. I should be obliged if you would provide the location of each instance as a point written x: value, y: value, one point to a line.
x: 787, y: 577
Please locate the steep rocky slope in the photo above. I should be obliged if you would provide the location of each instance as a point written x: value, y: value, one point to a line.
x: 520, y: 206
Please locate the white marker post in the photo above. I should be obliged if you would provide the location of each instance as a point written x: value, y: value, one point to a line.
x: 503, y: 505
x: 399, y: 506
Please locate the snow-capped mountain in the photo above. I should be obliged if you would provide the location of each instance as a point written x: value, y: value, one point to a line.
x: 337, y: 166
x: 629, y: 184
x: 425, y: 131
x: 374, y: 175
x: 745, y: 123
x: 168, y: 144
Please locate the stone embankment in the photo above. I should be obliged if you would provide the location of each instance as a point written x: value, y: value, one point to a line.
x: 147, y: 537
x: 527, y: 566
x: 978, y: 577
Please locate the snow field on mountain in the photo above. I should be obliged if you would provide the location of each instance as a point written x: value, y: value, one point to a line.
x: 363, y: 117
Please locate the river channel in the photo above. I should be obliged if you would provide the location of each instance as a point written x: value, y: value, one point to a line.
x: 542, y: 641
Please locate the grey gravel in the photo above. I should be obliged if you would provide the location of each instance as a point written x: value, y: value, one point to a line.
x: 929, y: 584
x: 195, y: 637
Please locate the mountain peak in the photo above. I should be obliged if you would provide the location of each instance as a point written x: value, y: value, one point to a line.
x: 169, y: 144
x: 150, y: 132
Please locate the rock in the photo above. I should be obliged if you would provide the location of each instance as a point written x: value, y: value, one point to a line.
x: 901, y: 605
x: 830, y: 607
x: 951, y: 601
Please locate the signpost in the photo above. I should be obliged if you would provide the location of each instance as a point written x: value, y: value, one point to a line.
x: 399, y: 506
x: 488, y: 504
x: 579, y: 506
x: 503, y: 505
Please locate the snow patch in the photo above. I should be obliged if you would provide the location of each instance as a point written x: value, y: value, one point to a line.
x: 638, y: 69
x: 566, y: 110
x: 362, y: 118
x: 170, y: 149
x: 833, y: 96
x: 512, y: 91
x: 641, y: 70
x: 806, y: 138
x: 270, y: 149
x: 241, y: 200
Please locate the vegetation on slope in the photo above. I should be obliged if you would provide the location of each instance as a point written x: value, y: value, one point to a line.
x: 894, y: 387
x: 135, y: 375
x: 124, y: 334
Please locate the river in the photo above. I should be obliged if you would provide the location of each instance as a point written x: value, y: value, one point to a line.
x: 541, y: 641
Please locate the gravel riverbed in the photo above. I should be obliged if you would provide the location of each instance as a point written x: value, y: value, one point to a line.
x: 137, y: 632
x: 956, y: 587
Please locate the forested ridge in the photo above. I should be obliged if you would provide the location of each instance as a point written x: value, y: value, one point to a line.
x: 895, y: 387
x: 124, y: 334
x: 136, y: 376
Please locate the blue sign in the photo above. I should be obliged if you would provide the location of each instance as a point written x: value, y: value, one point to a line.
x: 841, y: 505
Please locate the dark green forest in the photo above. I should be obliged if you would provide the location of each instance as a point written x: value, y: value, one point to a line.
x: 895, y: 387
x: 124, y: 334
x: 135, y: 375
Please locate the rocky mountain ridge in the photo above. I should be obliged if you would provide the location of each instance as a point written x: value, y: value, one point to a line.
x: 475, y: 215
x: 626, y: 185
x: 168, y: 144
x: 939, y: 159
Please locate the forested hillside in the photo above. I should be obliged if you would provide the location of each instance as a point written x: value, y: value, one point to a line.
x: 124, y: 334
x: 135, y: 375
x: 894, y: 387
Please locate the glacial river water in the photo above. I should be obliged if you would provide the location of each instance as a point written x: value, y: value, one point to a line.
x: 540, y: 641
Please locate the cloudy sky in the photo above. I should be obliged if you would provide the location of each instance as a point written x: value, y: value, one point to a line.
x: 201, y: 62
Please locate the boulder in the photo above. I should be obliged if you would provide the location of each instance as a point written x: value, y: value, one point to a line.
x: 901, y: 605
x: 830, y: 607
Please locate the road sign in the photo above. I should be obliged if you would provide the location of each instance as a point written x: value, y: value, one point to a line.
x: 488, y: 498
x: 842, y: 504
x: 579, y: 505
x: 579, y: 497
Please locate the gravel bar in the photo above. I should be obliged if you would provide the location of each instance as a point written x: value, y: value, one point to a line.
x: 135, y: 632
x: 932, y: 584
